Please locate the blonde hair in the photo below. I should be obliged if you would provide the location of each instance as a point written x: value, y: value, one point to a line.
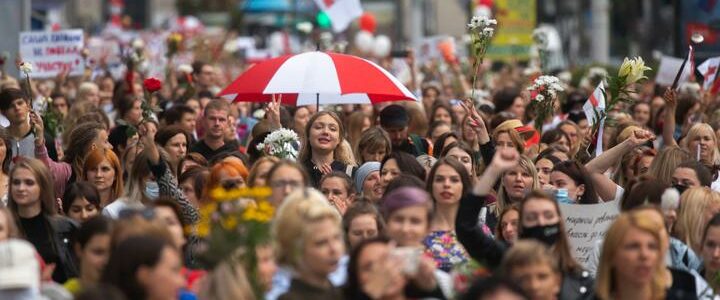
x: 226, y: 282
x: 639, y: 219
x: 253, y: 175
x: 503, y: 199
x: 691, y: 217
x: 515, y: 137
x: 696, y: 130
x: 664, y: 165
x: 528, y: 252
x: 300, y: 208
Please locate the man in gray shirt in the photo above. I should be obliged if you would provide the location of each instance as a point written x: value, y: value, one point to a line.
x: 14, y: 106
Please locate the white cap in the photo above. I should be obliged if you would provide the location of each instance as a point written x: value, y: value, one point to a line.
x: 19, y: 266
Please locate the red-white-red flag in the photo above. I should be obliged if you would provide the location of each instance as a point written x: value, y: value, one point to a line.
x: 340, y: 12
x: 709, y: 70
x: 596, y: 103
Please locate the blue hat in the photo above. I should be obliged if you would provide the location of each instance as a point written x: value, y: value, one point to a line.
x: 362, y: 173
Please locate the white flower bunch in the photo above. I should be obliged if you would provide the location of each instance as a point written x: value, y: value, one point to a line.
x: 185, y: 69
x: 483, y: 25
x: 280, y: 143
x: 541, y: 39
x: 546, y: 87
x: 26, y: 67
x: 633, y: 70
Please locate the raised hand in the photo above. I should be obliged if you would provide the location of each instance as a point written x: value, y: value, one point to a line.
x: 272, y: 111
x: 670, y: 97
x: 640, y: 137
x: 505, y: 159
x: 475, y: 120
x: 36, y: 123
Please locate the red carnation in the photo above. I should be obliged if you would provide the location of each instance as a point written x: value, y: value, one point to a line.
x: 152, y: 84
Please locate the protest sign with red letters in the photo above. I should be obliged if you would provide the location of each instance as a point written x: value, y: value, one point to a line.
x: 51, y: 52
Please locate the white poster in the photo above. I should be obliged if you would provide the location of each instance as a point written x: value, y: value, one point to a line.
x: 668, y: 69
x: 52, y: 52
x: 586, y: 224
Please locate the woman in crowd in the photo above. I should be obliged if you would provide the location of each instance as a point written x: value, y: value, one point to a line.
x: 700, y: 140
x: 92, y: 248
x: 141, y: 188
x: 399, y: 162
x: 507, y: 229
x: 284, y: 178
x: 710, y: 252
x: 664, y: 165
x: 151, y: 272
x: 309, y: 237
x: 362, y: 221
x: 539, y: 219
x: 102, y: 168
x: 192, y: 182
x: 444, y: 140
x: 228, y: 174
x: 81, y: 201
x: 536, y: 269
x: 408, y: 213
x: 32, y: 202
x: 698, y: 206
x: 374, y: 144
x: 190, y: 160
x: 368, y: 182
x: 463, y: 154
x: 322, y: 153
x: 437, y: 129
x: 5, y: 159
x: 556, y: 138
x: 544, y: 164
x: 83, y: 139
x: 632, y: 263
x: 442, y: 112
x: 447, y: 182
x: 173, y: 140
x: 572, y: 177
x: 258, y: 173
x: 339, y: 190
x: 515, y: 183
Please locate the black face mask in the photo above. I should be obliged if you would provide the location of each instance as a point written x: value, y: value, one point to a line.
x: 547, y: 234
x: 680, y: 188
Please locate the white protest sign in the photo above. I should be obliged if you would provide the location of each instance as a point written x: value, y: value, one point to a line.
x: 668, y: 69
x: 586, y: 224
x: 51, y: 52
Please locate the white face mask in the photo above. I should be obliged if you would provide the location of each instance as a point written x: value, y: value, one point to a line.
x: 108, y: 108
x: 152, y: 190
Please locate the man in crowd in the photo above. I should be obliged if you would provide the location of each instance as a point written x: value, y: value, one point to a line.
x: 394, y: 119
x: 215, y: 122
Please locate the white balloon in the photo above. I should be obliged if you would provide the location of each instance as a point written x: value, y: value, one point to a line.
x: 364, y: 41
x: 382, y: 46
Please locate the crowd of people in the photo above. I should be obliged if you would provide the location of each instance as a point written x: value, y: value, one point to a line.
x: 104, y: 190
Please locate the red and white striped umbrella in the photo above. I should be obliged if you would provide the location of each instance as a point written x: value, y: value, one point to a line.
x: 317, y: 78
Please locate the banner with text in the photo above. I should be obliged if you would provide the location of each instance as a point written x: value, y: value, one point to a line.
x: 52, y: 52
x: 586, y: 224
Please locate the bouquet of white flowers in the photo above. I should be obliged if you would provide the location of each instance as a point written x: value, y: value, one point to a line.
x: 543, y: 94
x: 281, y: 144
x: 481, y: 32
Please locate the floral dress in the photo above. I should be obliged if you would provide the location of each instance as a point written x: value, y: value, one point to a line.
x: 445, y: 249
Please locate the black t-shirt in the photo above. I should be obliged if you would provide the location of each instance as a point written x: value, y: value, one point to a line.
x: 207, y: 152
x: 38, y: 232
